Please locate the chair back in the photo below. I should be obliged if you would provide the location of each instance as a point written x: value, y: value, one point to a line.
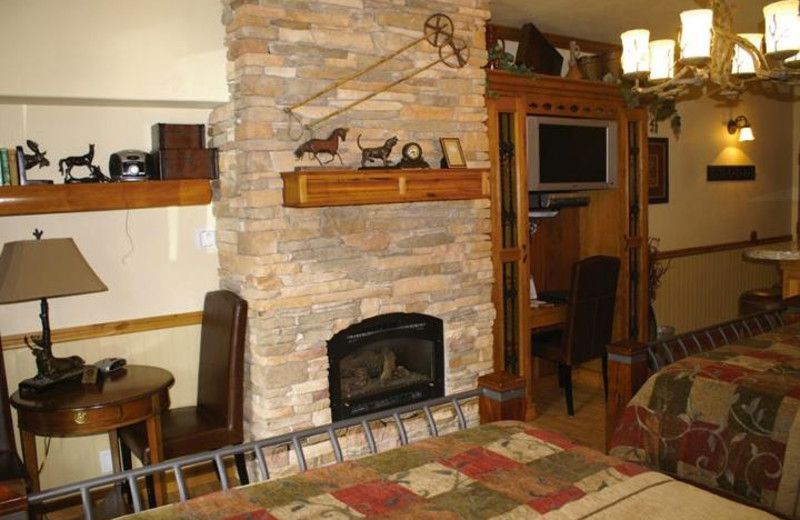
x: 590, y: 308
x: 221, y: 372
x: 7, y: 442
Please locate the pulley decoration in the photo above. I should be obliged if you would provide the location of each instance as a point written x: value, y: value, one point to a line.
x: 438, y: 31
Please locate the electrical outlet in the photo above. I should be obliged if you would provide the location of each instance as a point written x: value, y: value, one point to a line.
x: 206, y: 238
x: 105, y: 462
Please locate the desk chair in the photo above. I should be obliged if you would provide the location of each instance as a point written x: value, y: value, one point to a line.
x: 216, y: 420
x: 590, y: 317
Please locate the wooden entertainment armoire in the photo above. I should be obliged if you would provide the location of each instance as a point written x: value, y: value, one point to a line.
x: 614, y: 222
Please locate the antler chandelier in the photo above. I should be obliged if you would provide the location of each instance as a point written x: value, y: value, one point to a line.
x: 709, y: 52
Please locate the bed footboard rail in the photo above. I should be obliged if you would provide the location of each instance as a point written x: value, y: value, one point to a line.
x: 500, y: 396
x: 631, y: 362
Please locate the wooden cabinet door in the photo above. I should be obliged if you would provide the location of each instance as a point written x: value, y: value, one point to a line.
x: 510, y: 246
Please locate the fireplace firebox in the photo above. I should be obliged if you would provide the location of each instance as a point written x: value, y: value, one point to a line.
x: 385, y: 361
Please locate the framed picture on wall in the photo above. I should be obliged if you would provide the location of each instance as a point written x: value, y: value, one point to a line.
x: 658, y: 170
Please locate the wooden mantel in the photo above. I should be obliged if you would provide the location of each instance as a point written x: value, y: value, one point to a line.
x: 314, y: 188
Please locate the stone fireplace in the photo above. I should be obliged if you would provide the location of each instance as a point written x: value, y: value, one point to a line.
x: 311, y: 273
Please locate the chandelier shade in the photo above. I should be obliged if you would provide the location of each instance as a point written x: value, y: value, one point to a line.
x: 709, y: 53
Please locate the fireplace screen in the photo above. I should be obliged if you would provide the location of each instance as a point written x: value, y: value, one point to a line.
x: 385, y: 361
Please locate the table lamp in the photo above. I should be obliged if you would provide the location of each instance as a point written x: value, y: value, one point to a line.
x: 38, y: 270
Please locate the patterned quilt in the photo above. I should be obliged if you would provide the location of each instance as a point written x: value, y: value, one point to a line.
x: 505, y: 470
x: 725, y: 419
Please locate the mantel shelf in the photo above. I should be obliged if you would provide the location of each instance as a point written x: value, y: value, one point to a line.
x: 320, y: 188
x: 66, y: 198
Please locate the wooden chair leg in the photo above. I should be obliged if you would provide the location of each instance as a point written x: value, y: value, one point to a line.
x: 151, y: 490
x: 568, y: 389
x: 241, y: 468
x: 605, y: 375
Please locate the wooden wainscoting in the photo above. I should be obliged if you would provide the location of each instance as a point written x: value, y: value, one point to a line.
x: 170, y: 342
x: 702, y: 285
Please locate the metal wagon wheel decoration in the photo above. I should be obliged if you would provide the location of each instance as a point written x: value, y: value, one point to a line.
x: 438, y: 31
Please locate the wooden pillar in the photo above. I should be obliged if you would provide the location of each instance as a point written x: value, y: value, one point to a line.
x: 502, y: 397
x: 627, y: 372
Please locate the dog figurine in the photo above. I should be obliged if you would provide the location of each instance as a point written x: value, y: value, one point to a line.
x: 373, y: 154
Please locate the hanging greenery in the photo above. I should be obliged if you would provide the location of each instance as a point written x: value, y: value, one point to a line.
x: 658, y: 109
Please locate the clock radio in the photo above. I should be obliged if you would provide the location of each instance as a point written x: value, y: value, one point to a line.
x: 131, y: 165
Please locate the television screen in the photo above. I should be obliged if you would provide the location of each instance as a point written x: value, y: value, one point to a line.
x: 571, y: 153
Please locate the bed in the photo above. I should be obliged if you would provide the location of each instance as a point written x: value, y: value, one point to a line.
x: 497, y: 470
x: 719, y: 409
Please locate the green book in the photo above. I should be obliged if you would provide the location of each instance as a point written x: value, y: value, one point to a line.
x: 5, y: 170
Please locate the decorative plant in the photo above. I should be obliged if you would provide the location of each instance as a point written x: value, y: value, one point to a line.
x: 657, y: 268
x: 505, y: 61
x: 659, y: 109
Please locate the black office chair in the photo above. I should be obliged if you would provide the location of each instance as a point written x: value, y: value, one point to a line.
x: 590, y: 319
x: 217, y: 419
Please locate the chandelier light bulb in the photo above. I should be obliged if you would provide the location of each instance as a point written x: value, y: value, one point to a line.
x: 635, y: 53
x: 744, y: 64
x: 696, y: 34
x: 662, y: 60
x: 782, y: 29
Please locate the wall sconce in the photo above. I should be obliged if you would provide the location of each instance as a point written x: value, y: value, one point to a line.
x: 742, y: 125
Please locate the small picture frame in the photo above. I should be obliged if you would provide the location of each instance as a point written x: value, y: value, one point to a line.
x: 453, y: 154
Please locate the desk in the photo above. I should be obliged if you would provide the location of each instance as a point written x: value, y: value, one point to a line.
x: 543, y: 317
x: 788, y: 258
x: 131, y: 395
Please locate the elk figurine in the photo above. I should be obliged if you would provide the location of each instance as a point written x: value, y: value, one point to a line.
x: 66, y: 165
x: 37, y: 158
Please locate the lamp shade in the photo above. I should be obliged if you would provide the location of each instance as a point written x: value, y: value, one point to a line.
x: 36, y: 269
x: 662, y: 60
x: 743, y: 62
x: 782, y: 29
x: 696, y: 35
x: 635, y: 53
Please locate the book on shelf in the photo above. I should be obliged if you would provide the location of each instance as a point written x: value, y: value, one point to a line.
x: 12, y: 167
x: 20, y: 156
x: 5, y: 171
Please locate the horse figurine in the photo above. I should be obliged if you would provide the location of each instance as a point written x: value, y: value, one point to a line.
x: 37, y: 158
x: 66, y: 165
x: 330, y: 146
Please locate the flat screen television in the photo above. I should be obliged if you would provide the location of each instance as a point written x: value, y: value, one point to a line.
x: 566, y: 154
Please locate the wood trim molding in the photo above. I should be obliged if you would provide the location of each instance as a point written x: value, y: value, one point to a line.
x: 113, y: 328
x: 701, y: 250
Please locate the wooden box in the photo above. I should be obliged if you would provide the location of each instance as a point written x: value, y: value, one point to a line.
x: 187, y: 164
x: 177, y: 137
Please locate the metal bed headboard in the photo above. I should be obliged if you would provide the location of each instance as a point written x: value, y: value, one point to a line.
x: 291, y: 440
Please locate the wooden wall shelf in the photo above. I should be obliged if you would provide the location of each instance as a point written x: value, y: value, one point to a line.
x: 66, y: 198
x: 310, y: 189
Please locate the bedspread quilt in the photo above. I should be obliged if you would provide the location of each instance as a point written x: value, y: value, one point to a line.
x: 506, y: 470
x: 725, y: 419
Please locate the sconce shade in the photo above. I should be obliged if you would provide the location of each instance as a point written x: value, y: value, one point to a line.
x: 746, y: 134
x: 782, y: 29
x: 696, y: 36
x: 51, y: 268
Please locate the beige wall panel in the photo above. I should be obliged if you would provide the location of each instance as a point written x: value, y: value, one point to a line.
x: 176, y: 350
x: 147, y: 49
x: 701, y: 213
x: 701, y: 290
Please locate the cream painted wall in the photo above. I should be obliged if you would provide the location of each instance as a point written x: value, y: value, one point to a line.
x: 82, y: 69
x: 702, y: 213
x: 146, y: 49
